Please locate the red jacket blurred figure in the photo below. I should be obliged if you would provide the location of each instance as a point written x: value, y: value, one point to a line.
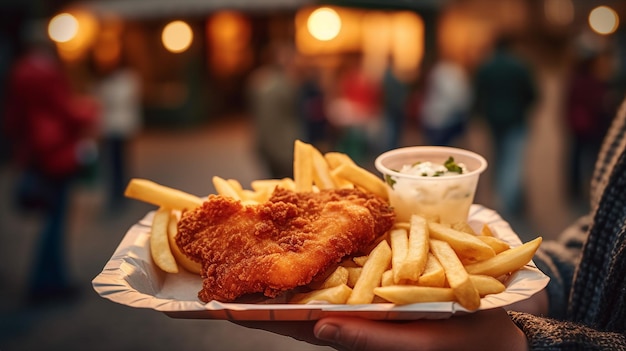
x: 44, y: 118
x: 49, y: 127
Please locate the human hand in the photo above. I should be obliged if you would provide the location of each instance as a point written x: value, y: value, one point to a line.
x: 538, y: 304
x: 483, y: 330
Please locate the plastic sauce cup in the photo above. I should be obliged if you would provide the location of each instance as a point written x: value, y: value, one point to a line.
x: 448, y: 197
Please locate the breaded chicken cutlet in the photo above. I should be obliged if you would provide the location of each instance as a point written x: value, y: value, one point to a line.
x: 280, y: 244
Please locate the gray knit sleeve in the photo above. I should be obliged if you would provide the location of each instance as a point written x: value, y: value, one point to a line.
x: 558, y: 260
x: 550, y: 334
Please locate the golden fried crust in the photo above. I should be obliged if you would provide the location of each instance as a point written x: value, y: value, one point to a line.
x: 280, y: 244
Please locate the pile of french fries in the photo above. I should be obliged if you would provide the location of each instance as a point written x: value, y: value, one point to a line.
x: 420, y: 261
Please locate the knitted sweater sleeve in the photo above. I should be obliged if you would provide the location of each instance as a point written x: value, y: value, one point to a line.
x: 550, y: 334
x: 602, y: 235
x: 558, y: 260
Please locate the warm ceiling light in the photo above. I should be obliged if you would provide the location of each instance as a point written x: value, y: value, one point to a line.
x: 603, y: 20
x: 324, y: 24
x: 177, y: 36
x: 63, y: 27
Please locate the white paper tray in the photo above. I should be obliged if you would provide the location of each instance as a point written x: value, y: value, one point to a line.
x: 130, y: 278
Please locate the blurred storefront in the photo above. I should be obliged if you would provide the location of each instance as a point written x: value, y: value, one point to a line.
x: 227, y: 40
x: 206, y: 78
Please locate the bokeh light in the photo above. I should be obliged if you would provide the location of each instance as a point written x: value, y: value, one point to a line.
x: 324, y: 24
x: 74, y: 32
x: 603, y: 20
x: 228, y: 35
x: 63, y: 27
x: 177, y: 36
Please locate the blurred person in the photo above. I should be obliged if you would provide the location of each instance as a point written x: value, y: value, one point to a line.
x: 51, y: 130
x: 446, y: 104
x: 273, y: 101
x: 587, y: 119
x: 505, y: 91
x: 313, y: 108
x: 118, y: 91
x: 395, y: 95
x: 355, y: 110
x: 583, y: 307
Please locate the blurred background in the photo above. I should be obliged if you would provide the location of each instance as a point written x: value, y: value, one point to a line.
x: 180, y: 91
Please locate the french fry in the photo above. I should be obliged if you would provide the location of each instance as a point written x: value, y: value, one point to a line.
x: 487, y: 285
x: 387, y: 278
x: 338, y: 277
x: 506, y: 261
x: 263, y: 188
x: 160, y: 195
x: 467, y: 246
x: 498, y: 245
x: 252, y: 197
x: 463, y: 226
x: 335, y: 295
x: 321, y: 171
x: 362, y: 178
x: 234, y: 183
x: 353, y: 275
x: 377, y: 263
x: 225, y: 188
x: 417, y: 254
x: 341, y: 183
x: 402, y: 225
x: 247, y: 196
x: 360, y: 260
x: 265, y: 185
x: 159, y: 242
x: 182, y: 259
x: 458, y: 279
x: 336, y: 159
x: 486, y: 231
x: 303, y: 166
x: 408, y: 294
x: 348, y: 262
x: 399, y: 248
x: 433, y: 274
x: 288, y: 183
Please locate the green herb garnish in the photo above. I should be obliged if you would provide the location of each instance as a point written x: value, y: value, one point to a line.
x: 390, y: 180
x: 452, y: 166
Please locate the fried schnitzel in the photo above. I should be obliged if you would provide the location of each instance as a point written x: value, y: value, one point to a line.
x: 280, y: 244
